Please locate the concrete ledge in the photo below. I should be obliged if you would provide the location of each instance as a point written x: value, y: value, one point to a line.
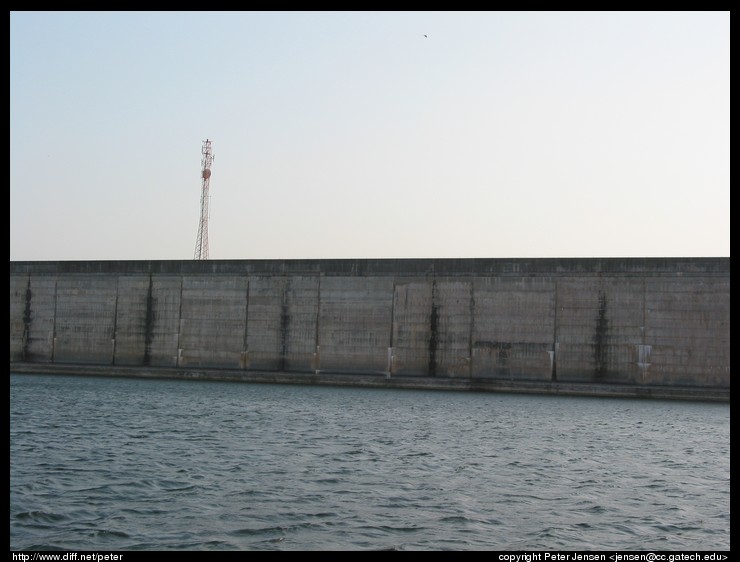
x: 381, y: 381
x: 408, y: 267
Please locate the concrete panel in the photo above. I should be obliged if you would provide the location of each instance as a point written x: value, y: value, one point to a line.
x: 40, y: 339
x: 514, y: 328
x: 687, y: 331
x: 624, y: 319
x: 20, y: 289
x: 162, y: 343
x: 451, y: 328
x: 582, y: 330
x: 266, y: 315
x: 355, y: 324
x: 600, y: 329
x: 212, y: 321
x: 85, y: 319
x: 131, y: 320
x: 412, y: 311
x: 300, y: 324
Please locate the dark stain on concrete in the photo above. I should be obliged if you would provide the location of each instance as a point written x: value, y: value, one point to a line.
x: 601, y: 335
x: 26, y: 319
x: 149, y: 324
x: 284, y: 321
x: 433, y: 334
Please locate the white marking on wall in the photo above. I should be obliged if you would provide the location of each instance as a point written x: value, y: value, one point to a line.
x: 643, y: 358
x: 552, y: 353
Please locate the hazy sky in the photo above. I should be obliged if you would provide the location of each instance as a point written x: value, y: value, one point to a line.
x: 370, y: 134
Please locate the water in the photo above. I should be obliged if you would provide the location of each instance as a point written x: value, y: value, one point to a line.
x: 129, y: 464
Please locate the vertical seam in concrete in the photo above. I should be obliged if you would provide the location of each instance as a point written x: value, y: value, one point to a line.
x: 245, y: 343
x: 26, y: 320
x: 317, y: 353
x: 472, y: 326
x: 393, y: 313
x: 54, y: 321
x: 179, y: 326
x: 283, y: 326
x: 554, y: 367
x: 601, y: 350
x: 393, y: 320
x: 115, y: 323
x: 643, y: 339
x: 433, y: 334
x: 148, y: 323
x: 644, y: 311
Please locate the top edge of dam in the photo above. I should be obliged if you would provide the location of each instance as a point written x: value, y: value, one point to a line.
x: 387, y: 266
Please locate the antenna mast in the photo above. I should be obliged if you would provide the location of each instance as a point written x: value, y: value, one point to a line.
x: 201, y: 243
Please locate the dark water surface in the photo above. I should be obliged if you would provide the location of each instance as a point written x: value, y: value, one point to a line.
x: 126, y: 464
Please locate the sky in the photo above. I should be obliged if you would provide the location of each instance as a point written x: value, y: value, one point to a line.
x: 370, y: 134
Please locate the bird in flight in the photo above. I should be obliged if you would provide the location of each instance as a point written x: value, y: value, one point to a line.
x: 425, y: 35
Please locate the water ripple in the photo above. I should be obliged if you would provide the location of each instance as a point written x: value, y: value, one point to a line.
x: 134, y: 464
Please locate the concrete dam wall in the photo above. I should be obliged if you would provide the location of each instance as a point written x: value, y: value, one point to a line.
x: 635, y: 321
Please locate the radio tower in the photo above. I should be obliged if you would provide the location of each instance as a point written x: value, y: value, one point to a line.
x: 201, y: 243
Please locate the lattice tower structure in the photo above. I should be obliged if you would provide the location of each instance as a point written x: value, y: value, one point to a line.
x: 201, y: 242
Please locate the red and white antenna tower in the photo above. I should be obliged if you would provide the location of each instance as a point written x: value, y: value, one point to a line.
x: 201, y: 243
